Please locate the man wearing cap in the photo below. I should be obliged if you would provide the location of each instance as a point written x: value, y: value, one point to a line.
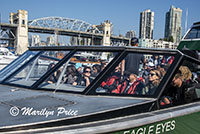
x: 132, y: 61
x: 78, y: 67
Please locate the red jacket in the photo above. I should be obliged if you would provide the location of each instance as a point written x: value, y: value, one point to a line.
x: 111, y: 83
x: 120, y: 88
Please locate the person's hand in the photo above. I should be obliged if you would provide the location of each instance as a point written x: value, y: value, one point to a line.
x: 86, y: 77
x: 87, y: 81
x: 50, y: 82
x: 166, y: 100
x: 74, y: 83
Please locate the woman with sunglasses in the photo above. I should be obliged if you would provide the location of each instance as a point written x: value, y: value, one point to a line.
x: 154, y: 81
x: 85, y: 79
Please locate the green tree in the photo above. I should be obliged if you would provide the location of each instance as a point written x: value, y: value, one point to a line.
x: 165, y: 39
x: 171, y: 39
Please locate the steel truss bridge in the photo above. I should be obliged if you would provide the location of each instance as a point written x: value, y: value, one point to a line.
x: 63, y: 26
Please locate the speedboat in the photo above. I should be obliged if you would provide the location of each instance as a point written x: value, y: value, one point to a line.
x: 6, y: 57
x: 35, y: 98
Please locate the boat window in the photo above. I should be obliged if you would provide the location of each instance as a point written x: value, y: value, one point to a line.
x: 78, y: 72
x: 184, y: 86
x: 194, y: 33
x: 36, y: 68
x: 137, y: 74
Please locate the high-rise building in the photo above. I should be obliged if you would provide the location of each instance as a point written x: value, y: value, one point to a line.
x: 173, y: 24
x: 50, y: 40
x: 35, y: 40
x: 131, y: 34
x: 146, y: 24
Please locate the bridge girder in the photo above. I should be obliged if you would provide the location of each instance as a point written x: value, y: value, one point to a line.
x: 7, y: 34
x: 63, y: 23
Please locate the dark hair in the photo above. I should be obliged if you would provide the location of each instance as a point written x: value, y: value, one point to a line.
x: 84, y: 70
x: 71, y: 70
x: 98, y: 67
x: 51, y: 65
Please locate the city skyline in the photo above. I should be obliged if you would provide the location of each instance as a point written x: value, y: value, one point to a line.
x: 123, y: 14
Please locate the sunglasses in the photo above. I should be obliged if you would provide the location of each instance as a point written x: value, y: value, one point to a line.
x: 152, y: 74
x: 87, y: 72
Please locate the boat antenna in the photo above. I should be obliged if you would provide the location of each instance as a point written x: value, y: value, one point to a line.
x: 0, y: 21
x: 186, y: 18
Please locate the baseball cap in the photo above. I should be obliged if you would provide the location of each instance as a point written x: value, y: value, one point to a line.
x: 150, y: 64
x: 134, y: 40
x: 77, y: 65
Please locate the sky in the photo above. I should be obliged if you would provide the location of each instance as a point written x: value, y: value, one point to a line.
x: 123, y: 14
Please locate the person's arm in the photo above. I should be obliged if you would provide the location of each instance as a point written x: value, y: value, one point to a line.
x: 122, y: 68
x: 78, y: 81
x: 87, y: 81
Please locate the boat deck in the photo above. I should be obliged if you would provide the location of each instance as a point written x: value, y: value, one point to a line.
x: 49, y: 101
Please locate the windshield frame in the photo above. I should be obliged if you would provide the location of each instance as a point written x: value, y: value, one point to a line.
x: 90, y: 90
x: 188, y: 32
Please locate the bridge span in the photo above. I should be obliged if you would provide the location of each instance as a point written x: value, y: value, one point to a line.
x: 17, y: 31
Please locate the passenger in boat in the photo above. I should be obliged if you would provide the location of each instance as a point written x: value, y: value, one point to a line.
x: 180, y: 90
x: 103, y: 64
x: 96, y: 69
x: 54, y: 77
x: 155, y: 77
x: 71, y: 74
x: 112, y: 81
x: 145, y: 74
x: 78, y: 67
x: 170, y: 60
x: 84, y: 79
x: 132, y: 61
x: 131, y: 85
x: 155, y: 60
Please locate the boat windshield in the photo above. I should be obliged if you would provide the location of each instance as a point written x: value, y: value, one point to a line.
x: 135, y: 73
x: 78, y: 72
x: 194, y: 33
x: 73, y: 74
x: 36, y: 67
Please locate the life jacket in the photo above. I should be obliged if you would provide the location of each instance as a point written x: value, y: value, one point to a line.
x: 171, y: 60
x: 111, y: 83
x: 121, y: 88
x: 163, y: 60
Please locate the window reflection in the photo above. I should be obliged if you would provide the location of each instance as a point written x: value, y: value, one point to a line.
x: 184, y: 86
x: 193, y: 33
x: 37, y: 68
x: 79, y: 71
x: 138, y: 74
